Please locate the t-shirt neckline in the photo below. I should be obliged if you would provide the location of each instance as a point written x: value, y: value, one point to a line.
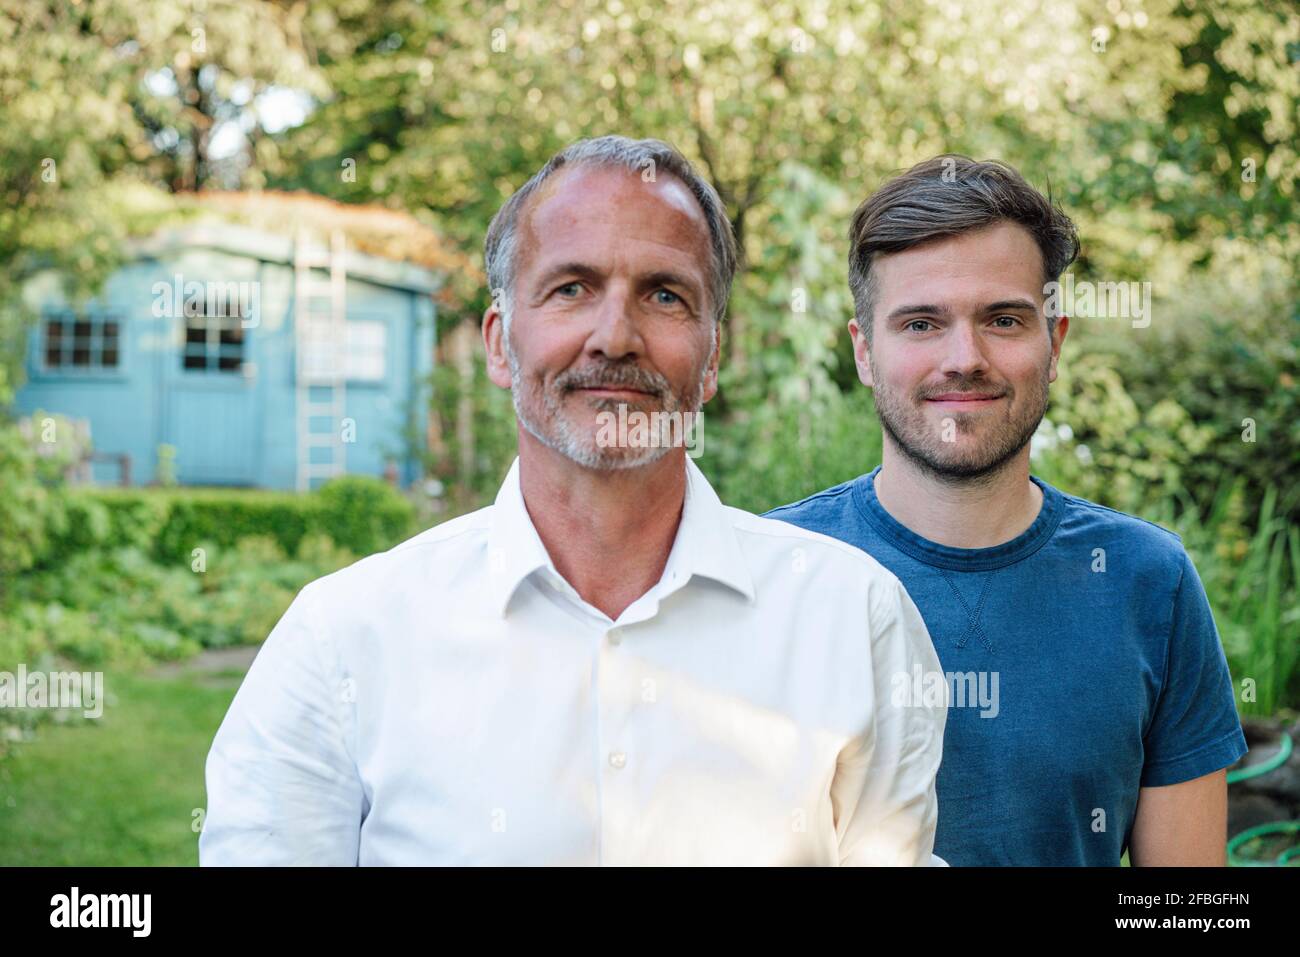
x: 960, y: 559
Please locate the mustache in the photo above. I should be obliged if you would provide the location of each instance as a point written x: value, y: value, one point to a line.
x: 971, y: 386
x: 612, y: 376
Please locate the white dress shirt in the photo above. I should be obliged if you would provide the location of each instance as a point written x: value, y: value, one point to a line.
x: 454, y: 701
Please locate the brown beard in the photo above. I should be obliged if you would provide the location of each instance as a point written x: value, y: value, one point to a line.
x: 915, y: 437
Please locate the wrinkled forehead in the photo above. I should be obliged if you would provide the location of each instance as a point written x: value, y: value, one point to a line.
x: 614, y: 199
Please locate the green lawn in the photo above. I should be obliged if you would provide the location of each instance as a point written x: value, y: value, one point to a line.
x: 120, y: 790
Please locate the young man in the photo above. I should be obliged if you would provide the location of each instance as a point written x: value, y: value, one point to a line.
x: 1092, y: 710
x: 607, y: 666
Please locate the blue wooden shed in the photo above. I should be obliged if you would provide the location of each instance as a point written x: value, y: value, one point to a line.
x: 274, y: 357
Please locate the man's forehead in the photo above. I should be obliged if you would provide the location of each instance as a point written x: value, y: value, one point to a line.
x: 999, y: 256
x: 608, y: 194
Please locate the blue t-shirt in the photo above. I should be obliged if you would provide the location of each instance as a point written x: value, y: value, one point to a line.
x: 1082, y: 663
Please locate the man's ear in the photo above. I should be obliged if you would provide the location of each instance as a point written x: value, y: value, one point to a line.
x: 494, y: 331
x: 711, y: 370
x: 1058, y: 336
x: 861, y: 352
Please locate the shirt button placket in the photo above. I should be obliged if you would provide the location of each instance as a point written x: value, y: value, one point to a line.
x: 614, y: 714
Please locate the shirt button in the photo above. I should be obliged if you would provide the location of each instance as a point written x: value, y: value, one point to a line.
x: 617, y: 759
x: 615, y: 636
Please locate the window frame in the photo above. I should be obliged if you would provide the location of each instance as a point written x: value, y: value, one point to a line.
x: 379, y: 349
x: 213, y: 348
x: 67, y: 320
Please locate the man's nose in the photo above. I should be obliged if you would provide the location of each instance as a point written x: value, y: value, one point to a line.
x: 616, y: 334
x: 964, y: 351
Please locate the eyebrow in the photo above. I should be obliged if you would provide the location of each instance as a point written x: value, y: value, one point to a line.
x: 662, y: 277
x: 1002, y: 305
x: 922, y: 308
x: 566, y: 269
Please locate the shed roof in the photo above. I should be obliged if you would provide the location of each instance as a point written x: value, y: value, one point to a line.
x: 385, y: 246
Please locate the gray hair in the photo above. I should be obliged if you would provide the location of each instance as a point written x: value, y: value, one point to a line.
x: 946, y: 196
x: 501, y: 246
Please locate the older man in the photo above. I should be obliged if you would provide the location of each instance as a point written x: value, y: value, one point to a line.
x: 606, y: 666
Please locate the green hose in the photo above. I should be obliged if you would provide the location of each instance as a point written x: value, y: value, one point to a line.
x: 1272, y: 764
x: 1291, y: 856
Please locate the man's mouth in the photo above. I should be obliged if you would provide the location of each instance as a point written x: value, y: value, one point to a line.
x: 614, y: 391
x: 965, y: 400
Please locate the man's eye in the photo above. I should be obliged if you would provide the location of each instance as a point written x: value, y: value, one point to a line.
x: 1012, y: 321
x: 917, y: 322
x: 671, y: 300
x: 569, y: 289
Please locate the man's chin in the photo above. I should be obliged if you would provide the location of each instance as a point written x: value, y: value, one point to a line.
x: 614, y: 459
x: 958, y: 463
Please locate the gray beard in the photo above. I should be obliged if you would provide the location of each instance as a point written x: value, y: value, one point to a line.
x: 574, y: 443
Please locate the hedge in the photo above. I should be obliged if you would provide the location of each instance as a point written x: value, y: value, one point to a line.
x: 359, y: 513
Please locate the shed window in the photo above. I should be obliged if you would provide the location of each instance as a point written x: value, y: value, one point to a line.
x: 82, y: 343
x: 213, y: 344
x: 367, y: 351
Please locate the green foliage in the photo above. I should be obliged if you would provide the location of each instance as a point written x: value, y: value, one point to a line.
x: 1250, y: 565
x: 360, y: 513
x: 1228, y: 353
x: 784, y: 451
x: 25, y: 504
x: 1097, y: 442
x: 222, y: 517
x: 479, y: 433
x: 119, y: 606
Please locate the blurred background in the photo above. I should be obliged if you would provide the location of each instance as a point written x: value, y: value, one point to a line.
x: 241, y: 287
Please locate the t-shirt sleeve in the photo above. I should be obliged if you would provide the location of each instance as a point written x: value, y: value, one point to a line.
x: 1195, y: 729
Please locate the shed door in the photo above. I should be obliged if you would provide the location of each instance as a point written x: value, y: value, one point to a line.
x: 211, y: 403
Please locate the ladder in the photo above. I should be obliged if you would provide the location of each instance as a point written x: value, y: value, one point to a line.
x: 320, y: 341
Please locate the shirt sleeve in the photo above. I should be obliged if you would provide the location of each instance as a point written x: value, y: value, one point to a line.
x: 1195, y: 728
x: 282, y: 786
x: 883, y: 793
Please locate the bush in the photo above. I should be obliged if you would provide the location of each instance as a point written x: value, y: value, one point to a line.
x: 223, y: 517
x: 788, y: 449
x: 1228, y: 353
x: 27, y: 508
x: 360, y: 514
x: 1097, y: 442
x: 119, y: 606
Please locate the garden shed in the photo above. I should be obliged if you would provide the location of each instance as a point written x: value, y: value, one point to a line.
x: 273, y: 340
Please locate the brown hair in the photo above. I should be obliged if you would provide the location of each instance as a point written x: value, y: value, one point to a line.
x: 945, y: 196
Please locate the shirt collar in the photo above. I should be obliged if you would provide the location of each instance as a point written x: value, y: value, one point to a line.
x: 705, y: 544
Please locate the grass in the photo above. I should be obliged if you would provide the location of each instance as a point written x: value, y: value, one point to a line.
x: 119, y: 791
x: 1252, y: 579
